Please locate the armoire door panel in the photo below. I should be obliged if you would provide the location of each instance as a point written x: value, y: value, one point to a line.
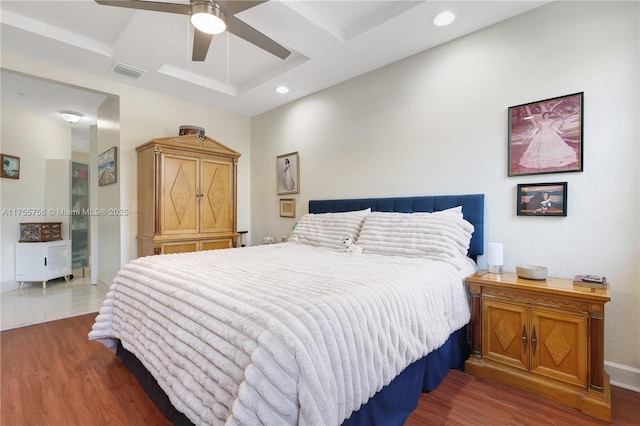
x: 179, y: 202
x: 216, y: 208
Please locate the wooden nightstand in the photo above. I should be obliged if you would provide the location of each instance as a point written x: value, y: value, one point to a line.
x: 544, y: 337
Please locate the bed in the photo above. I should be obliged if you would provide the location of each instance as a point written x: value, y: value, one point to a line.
x: 302, y: 332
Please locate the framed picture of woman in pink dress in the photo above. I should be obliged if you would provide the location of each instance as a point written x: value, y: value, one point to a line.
x: 546, y: 136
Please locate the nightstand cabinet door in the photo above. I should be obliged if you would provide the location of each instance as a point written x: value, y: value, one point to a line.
x: 559, y: 346
x: 505, y: 333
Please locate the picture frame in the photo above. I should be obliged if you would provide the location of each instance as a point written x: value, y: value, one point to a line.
x: 108, y: 167
x: 10, y: 166
x: 542, y: 199
x: 546, y: 136
x: 287, y: 207
x: 288, y: 173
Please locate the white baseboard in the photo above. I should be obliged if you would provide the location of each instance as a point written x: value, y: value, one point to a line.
x: 623, y: 376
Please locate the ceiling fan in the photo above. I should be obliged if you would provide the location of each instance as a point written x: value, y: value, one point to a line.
x: 209, y: 17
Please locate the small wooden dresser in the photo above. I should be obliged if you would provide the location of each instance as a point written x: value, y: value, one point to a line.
x: 186, y: 195
x: 544, y: 337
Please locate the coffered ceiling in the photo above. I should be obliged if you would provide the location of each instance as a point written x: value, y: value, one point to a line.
x: 330, y: 41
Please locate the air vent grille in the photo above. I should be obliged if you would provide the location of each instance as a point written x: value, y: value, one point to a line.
x: 128, y: 71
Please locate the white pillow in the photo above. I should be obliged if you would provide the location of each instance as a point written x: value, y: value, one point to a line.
x: 441, y: 236
x: 328, y: 229
x: 456, y: 211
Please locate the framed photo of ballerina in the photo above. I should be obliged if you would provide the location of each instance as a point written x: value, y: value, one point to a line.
x: 542, y: 199
x: 288, y: 173
x: 546, y: 136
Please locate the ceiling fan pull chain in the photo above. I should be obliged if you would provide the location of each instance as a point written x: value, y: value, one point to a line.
x: 189, y: 43
x: 228, y: 56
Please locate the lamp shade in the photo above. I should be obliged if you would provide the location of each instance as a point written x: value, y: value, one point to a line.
x: 495, y: 258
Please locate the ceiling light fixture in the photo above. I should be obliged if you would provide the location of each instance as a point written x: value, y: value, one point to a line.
x: 444, y: 18
x: 71, y: 117
x: 282, y: 89
x: 208, y: 17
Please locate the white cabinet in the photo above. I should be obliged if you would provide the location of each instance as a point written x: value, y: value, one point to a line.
x: 43, y: 261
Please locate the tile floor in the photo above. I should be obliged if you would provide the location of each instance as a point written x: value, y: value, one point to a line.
x: 32, y: 304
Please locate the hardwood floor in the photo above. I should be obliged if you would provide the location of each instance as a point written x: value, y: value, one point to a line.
x: 51, y: 374
x: 465, y: 400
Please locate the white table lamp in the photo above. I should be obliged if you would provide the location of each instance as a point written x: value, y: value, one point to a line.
x: 495, y: 261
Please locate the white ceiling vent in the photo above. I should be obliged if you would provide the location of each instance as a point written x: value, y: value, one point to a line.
x: 128, y: 71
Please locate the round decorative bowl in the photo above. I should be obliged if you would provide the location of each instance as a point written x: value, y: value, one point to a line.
x: 531, y: 272
x: 192, y: 130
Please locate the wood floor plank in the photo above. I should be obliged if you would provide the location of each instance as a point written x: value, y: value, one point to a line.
x: 51, y: 374
x: 465, y: 400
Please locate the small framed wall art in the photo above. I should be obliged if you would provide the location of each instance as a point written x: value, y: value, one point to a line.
x: 546, y: 136
x: 542, y: 199
x: 108, y: 167
x: 10, y: 166
x: 287, y: 207
x: 288, y: 173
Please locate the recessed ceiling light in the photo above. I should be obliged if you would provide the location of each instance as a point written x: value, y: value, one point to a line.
x: 444, y: 18
x: 282, y: 89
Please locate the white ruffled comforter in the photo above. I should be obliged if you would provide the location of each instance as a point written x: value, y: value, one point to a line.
x: 279, y: 334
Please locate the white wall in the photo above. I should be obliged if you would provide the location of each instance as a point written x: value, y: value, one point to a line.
x: 34, y: 139
x: 57, y: 192
x: 144, y: 115
x: 436, y: 123
x: 110, y: 236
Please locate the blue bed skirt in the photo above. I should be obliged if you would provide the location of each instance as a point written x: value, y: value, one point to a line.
x: 395, y: 402
x: 391, y: 406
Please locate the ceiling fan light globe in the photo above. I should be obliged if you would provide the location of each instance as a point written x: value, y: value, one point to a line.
x: 208, y: 17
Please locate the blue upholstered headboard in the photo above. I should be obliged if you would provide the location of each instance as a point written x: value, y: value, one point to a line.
x: 472, y: 210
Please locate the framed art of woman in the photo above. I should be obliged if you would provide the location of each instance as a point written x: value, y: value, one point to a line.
x: 288, y: 173
x: 546, y: 136
x: 542, y: 199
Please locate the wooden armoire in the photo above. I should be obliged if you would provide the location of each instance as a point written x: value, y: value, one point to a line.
x: 187, y: 189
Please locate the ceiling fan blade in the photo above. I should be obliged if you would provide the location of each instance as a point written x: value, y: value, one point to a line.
x: 201, y: 40
x: 201, y: 43
x: 184, y: 9
x: 250, y: 34
x: 231, y: 7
